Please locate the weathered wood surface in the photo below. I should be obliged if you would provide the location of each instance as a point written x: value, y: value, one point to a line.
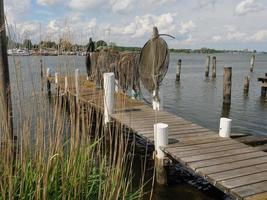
x: 236, y: 168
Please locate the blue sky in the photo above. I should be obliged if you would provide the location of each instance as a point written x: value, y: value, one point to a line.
x: 220, y: 24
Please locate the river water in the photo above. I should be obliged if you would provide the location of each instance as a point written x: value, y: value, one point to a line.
x: 194, y: 98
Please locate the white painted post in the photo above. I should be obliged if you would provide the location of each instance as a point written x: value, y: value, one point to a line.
x: 48, y: 73
x: 225, y: 127
x: 77, y: 83
x: 56, y: 78
x: 109, y: 88
x: 160, y: 138
x: 157, y: 105
x: 66, y: 84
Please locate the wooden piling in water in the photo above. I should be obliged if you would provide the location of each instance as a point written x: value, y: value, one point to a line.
x: 48, y: 82
x: 263, y: 91
x: 227, y: 84
x: 214, y: 67
x: 207, y: 69
x: 178, y: 70
x: 160, y: 140
x: 41, y: 66
x: 246, y: 84
x: 252, y: 63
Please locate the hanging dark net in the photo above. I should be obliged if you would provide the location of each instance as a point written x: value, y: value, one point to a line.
x: 154, y: 62
x: 124, y: 65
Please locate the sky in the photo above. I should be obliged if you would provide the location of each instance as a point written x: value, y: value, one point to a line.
x: 219, y: 24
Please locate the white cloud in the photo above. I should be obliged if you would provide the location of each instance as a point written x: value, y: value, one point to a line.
x: 187, y: 26
x: 248, y: 6
x: 206, y: 3
x: 121, y: 6
x: 49, y: 2
x: 259, y: 36
x: 143, y: 25
x: 53, y: 26
x: 216, y: 38
x: 86, y: 4
x: 16, y: 9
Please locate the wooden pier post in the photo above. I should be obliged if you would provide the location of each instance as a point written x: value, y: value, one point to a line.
x: 246, y: 84
x: 109, y: 89
x: 48, y: 76
x: 214, y: 67
x: 252, y: 63
x: 227, y: 84
x: 41, y: 66
x: 178, y: 70
x: 56, y: 78
x: 225, y: 127
x: 160, y: 140
x: 207, y: 70
x: 263, y: 91
x: 77, y: 84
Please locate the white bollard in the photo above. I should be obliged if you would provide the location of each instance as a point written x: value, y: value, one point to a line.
x: 56, y: 78
x: 77, y: 83
x: 48, y: 73
x: 157, y: 105
x: 66, y: 84
x: 160, y: 138
x: 225, y: 127
x: 109, y: 88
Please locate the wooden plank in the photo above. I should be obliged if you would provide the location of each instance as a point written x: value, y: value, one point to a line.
x: 233, y: 165
x: 252, y: 139
x: 210, y: 150
x: 182, y: 147
x: 262, y: 196
x: 261, y: 147
x: 239, y: 172
x: 217, y: 154
x: 244, y: 180
x: 256, y: 190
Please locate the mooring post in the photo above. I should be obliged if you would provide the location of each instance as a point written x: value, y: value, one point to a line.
x: 207, y: 70
x: 41, y: 66
x: 246, y: 84
x: 213, y: 67
x: 48, y: 76
x: 77, y: 84
x: 157, y: 100
x: 227, y: 84
x: 160, y: 140
x: 109, y: 89
x: 66, y: 84
x: 252, y: 63
x: 263, y: 91
x: 178, y: 70
x: 225, y: 127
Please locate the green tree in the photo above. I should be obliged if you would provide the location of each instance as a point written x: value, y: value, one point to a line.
x: 27, y: 44
x: 100, y: 43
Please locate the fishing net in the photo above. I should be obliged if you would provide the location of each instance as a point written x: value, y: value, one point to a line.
x: 127, y: 70
x: 153, y: 63
x: 124, y: 65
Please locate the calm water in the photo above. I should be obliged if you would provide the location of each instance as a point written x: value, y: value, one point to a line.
x: 195, y: 98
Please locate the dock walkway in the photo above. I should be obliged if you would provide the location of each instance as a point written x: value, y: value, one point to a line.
x: 235, y: 168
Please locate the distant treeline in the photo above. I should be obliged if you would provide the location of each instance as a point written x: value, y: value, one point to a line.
x: 67, y: 45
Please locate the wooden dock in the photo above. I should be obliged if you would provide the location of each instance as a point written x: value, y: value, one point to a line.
x: 237, y: 169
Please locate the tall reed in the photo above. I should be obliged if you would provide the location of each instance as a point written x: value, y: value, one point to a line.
x: 63, y: 151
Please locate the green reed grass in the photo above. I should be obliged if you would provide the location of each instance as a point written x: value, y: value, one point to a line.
x: 63, y: 151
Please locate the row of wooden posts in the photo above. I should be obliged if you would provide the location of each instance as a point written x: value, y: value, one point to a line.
x: 161, y: 138
x: 227, y: 76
